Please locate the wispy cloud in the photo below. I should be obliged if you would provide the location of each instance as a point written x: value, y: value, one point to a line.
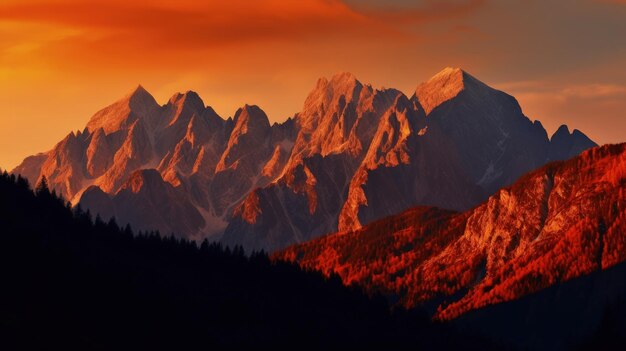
x: 425, y: 11
x: 566, y: 91
x: 212, y: 23
x: 623, y: 2
x: 190, y: 24
x: 590, y: 91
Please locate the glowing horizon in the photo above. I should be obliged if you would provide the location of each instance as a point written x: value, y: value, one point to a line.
x: 63, y: 60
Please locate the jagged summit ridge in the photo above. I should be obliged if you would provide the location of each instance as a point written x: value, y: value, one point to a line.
x: 353, y: 154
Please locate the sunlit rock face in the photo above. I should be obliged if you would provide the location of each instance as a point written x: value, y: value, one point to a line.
x: 362, y: 154
x: 352, y: 155
x: 562, y: 221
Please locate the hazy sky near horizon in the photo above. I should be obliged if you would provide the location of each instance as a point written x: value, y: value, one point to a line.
x: 62, y: 60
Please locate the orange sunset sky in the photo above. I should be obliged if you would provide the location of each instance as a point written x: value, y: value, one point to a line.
x: 62, y: 60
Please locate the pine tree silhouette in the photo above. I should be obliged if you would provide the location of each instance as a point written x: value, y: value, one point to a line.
x: 69, y: 280
x: 42, y: 186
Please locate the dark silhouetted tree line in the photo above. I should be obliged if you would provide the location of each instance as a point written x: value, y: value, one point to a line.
x: 68, y: 280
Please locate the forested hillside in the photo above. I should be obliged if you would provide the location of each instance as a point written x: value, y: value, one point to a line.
x: 71, y: 281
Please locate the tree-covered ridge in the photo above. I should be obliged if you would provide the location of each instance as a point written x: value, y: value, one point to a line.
x: 69, y: 280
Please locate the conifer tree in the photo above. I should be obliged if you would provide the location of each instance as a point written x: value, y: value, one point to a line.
x: 42, y: 186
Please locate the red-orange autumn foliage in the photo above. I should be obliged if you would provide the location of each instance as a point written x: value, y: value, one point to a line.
x: 559, y: 222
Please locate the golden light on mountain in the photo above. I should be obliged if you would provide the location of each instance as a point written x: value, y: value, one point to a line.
x: 61, y: 60
x: 398, y: 174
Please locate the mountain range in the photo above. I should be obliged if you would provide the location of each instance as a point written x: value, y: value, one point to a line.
x: 449, y: 201
x: 353, y: 154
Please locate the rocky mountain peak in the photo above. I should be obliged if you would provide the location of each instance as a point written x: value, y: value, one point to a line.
x: 188, y: 99
x: 121, y: 114
x: 562, y: 131
x: 444, y: 86
x: 327, y: 93
x: 344, y: 80
x: 563, y: 144
x: 335, y: 119
x: 252, y: 127
x: 250, y: 116
x: 180, y: 108
x: 140, y: 97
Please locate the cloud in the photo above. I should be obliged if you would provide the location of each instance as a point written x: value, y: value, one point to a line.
x: 193, y: 24
x: 427, y: 11
x: 564, y: 91
x: 595, y: 108
x: 189, y: 24
x: 621, y: 2
x: 139, y: 35
x: 591, y: 91
x: 108, y: 36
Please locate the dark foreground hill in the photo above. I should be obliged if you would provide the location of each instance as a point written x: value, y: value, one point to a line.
x: 71, y: 282
x: 586, y: 313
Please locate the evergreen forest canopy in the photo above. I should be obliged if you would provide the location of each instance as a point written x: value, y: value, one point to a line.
x: 75, y: 282
x: 72, y: 281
